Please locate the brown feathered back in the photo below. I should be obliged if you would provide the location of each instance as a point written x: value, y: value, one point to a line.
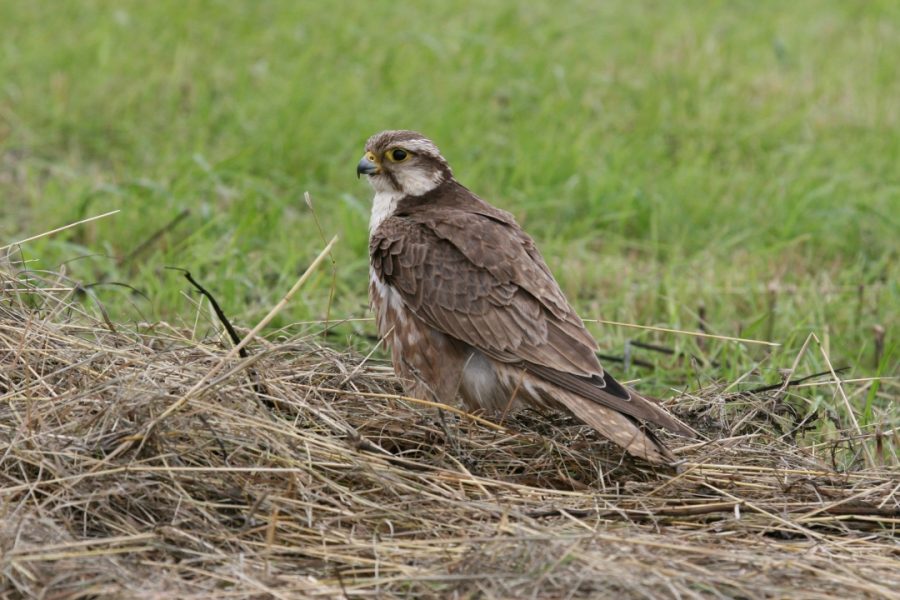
x: 466, y: 269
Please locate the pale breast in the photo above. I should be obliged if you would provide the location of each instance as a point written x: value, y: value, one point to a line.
x: 429, y: 363
x: 387, y: 304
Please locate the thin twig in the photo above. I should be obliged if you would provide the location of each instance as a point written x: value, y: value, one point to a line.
x: 58, y: 229
x: 236, y: 349
x: 682, y: 332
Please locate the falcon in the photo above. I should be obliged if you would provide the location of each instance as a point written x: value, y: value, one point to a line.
x: 469, y: 308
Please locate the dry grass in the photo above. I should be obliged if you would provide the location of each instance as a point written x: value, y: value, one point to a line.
x: 321, y: 481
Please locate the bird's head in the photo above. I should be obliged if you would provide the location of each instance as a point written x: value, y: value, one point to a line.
x: 403, y: 161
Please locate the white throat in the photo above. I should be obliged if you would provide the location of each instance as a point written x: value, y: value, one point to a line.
x: 383, y: 206
x: 413, y: 182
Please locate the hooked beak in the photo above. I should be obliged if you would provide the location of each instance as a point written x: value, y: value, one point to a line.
x: 367, y: 166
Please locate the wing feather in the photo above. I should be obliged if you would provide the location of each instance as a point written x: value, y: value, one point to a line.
x: 467, y: 269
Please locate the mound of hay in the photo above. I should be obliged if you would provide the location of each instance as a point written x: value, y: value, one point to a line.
x: 135, y: 463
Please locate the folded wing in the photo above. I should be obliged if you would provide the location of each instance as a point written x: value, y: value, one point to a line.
x: 470, y: 271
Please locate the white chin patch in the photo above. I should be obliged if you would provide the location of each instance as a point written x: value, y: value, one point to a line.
x: 381, y: 184
x: 413, y: 182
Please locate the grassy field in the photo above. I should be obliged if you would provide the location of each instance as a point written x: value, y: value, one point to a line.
x: 725, y: 166
x: 734, y: 159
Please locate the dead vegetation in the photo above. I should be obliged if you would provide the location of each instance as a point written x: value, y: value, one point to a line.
x: 142, y: 462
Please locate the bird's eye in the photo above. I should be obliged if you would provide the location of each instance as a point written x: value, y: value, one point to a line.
x: 398, y: 154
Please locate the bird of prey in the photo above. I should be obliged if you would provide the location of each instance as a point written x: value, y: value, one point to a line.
x: 470, y: 309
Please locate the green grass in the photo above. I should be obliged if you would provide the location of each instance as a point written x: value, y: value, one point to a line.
x: 742, y: 156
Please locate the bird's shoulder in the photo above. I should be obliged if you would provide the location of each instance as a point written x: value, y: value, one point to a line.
x: 452, y: 254
x: 452, y: 223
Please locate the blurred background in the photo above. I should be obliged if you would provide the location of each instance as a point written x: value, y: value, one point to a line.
x: 721, y: 166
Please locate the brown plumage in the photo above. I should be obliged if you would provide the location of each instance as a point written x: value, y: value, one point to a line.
x: 469, y: 308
